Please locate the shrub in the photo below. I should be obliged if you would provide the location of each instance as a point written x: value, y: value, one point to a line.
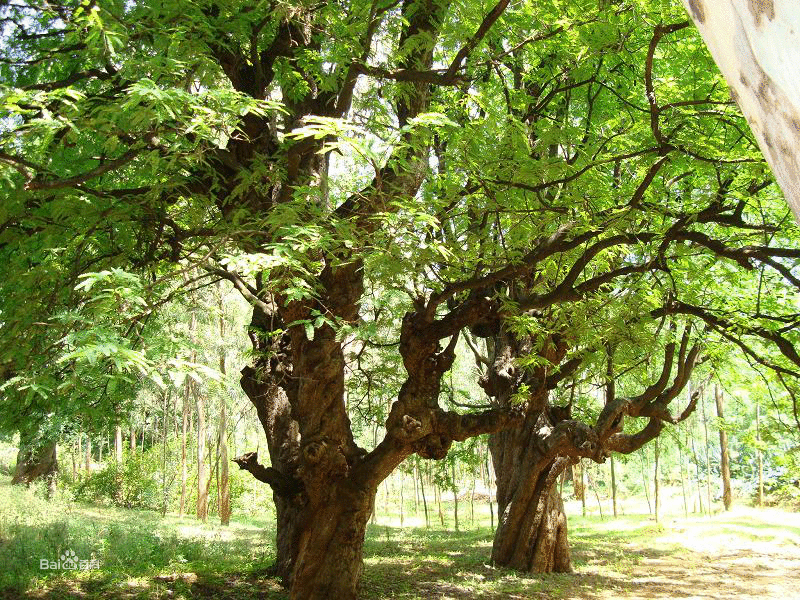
x: 133, y: 484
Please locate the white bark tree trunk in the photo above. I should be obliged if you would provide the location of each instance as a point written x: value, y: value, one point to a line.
x: 118, y: 444
x: 756, y: 44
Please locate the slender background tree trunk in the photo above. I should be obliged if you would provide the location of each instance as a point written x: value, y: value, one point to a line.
x: 165, y: 431
x: 224, y: 484
x: 184, y: 432
x: 656, y: 482
x: 118, y: 445
x: 708, y: 451
x: 758, y: 454
x: 202, y: 484
x: 613, y: 487
x: 724, y: 457
x: 88, y: 456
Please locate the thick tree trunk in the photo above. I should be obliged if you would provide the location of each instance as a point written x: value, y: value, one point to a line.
x: 283, y: 444
x: 531, y: 530
x: 319, y: 545
x: 724, y: 458
x: 529, y: 458
x: 329, y: 561
x: 36, y: 460
x: 532, y: 536
x: 531, y: 533
x: 289, y: 516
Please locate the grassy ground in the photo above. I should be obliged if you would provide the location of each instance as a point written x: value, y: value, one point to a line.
x: 144, y: 556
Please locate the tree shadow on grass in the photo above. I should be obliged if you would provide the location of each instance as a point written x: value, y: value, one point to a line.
x: 229, y: 586
x: 444, y: 564
x: 139, y: 562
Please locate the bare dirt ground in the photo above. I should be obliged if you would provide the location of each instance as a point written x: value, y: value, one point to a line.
x: 739, y: 555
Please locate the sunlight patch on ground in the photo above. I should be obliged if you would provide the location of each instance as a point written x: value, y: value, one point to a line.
x: 758, y: 530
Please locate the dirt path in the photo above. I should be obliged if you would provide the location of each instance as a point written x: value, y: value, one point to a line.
x: 736, y: 556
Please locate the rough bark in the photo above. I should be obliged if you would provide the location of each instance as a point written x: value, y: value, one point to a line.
x: 531, y: 533
x: 528, y: 458
x: 532, y: 527
x: 262, y: 384
x: 319, y: 537
x: 36, y: 459
x: 324, y: 485
x: 329, y: 562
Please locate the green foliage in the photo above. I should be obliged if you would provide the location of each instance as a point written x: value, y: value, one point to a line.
x: 136, y: 483
x: 126, y: 543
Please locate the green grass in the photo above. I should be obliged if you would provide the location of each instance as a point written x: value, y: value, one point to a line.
x: 130, y: 545
x: 145, y: 556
